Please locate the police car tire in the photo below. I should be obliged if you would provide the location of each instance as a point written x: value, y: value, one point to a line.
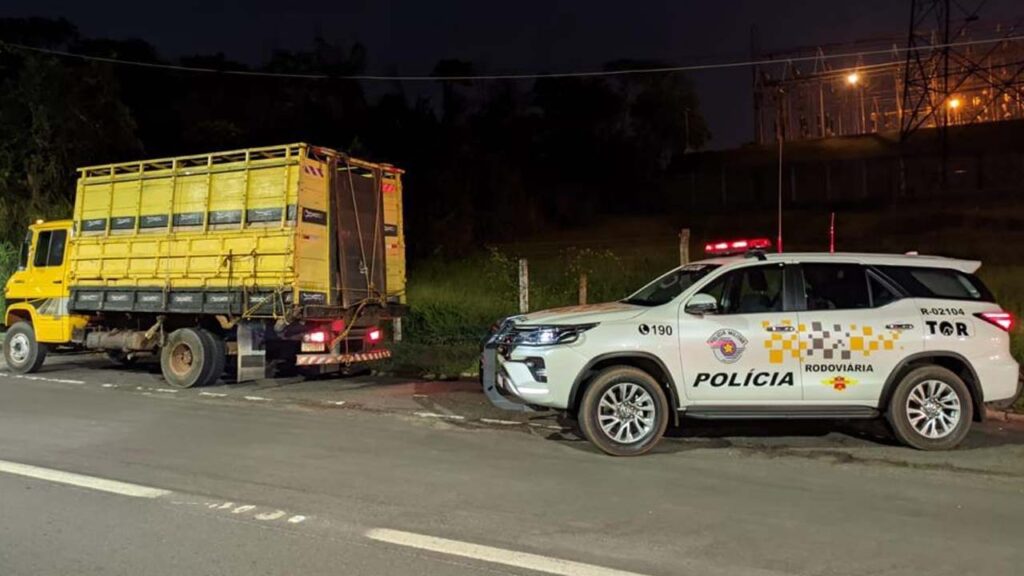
x: 900, y: 421
x: 218, y: 357
x: 36, y: 350
x: 589, y: 406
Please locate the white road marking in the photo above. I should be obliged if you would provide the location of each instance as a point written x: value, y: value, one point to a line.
x: 271, y: 515
x: 296, y: 519
x: 257, y: 398
x: 243, y: 509
x: 213, y: 394
x: 522, y: 560
x: 502, y: 422
x: 335, y: 403
x: 548, y: 426
x: 167, y: 390
x: 81, y: 480
x: 42, y: 378
x: 109, y: 385
x: 443, y: 416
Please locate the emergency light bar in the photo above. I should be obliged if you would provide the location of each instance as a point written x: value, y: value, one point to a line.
x: 727, y: 247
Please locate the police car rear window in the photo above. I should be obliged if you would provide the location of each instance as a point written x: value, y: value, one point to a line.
x: 945, y: 283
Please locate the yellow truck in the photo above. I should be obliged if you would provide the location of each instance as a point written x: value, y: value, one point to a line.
x: 234, y: 262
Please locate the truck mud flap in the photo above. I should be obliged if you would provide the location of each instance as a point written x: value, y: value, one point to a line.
x: 252, y: 351
x: 489, y: 379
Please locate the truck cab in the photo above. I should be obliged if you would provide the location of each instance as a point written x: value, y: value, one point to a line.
x: 37, y: 292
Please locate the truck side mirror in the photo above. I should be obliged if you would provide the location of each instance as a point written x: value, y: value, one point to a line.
x: 701, y: 304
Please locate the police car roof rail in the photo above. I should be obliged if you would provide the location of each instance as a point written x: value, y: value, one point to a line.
x: 756, y: 253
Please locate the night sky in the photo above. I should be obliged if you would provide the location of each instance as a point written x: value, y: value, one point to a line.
x: 409, y: 36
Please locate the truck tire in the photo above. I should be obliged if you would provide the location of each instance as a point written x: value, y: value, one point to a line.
x: 23, y: 353
x: 218, y: 356
x: 186, y: 358
x: 624, y: 411
x: 931, y: 409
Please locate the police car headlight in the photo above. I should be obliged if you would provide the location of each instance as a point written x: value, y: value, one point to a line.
x: 552, y: 335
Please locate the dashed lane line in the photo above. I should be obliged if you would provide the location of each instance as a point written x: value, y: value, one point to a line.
x: 41, y: 378
x: 82, y: 481
x: 501, y: 422
x: 523, y: 560
x: 148, y: 492
x: 440, y: 416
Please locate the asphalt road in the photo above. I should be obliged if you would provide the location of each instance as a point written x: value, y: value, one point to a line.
x: 381, y: 476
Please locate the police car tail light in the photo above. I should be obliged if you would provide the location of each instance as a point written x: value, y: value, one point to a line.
x: 737, y: 246
x: 1003, y: 320
x: 374, y: 335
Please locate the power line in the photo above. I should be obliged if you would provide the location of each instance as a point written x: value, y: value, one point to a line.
x: 525, y: 76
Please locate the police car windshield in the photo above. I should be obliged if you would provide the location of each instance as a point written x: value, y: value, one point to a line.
x: 665, y: 289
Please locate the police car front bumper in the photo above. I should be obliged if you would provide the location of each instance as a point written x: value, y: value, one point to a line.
x: 526, y: 378
x: 497, y: 383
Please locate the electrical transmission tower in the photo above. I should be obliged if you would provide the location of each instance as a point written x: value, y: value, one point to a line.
x: 965, y: 84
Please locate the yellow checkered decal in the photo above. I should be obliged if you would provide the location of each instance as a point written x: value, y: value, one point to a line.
x: 821, y: 341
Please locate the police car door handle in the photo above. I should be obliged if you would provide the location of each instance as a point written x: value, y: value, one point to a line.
x: 783, y: 328
x: 899, y: 326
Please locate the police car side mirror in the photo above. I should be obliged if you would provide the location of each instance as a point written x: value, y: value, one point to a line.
x: 701, y: 304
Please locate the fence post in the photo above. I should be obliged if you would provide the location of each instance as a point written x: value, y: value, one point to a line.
x: 524, y: 286
x: 583, y: 287
x: 684, y: 246
x: 396, y: 327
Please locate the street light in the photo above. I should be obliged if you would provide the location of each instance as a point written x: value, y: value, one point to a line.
x: 953, y: 103
x: 853, y: 78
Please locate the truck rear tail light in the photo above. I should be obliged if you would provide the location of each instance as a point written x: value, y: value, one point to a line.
x: 318, y: 336
x: 1003, y: 320
x: 373, y: 335
x: 739, y: 246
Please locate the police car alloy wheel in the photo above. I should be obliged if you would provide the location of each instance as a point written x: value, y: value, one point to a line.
x: 624, y: 411
x: 931, y: 409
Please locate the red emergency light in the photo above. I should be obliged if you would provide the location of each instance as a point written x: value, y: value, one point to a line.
x: 727, y: 247
x: 374, y: 335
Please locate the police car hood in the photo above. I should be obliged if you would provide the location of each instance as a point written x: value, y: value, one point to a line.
x: 606, y: 312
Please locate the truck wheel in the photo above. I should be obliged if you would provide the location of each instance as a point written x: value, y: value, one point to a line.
x: 218, y: 356
x: 931, y: 409
x: 21, y: 350
x: 186, y: 359
x: 624, y: 411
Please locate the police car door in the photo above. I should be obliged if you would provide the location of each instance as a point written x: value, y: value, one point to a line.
x: 746, y: 351
x: 855, y: 329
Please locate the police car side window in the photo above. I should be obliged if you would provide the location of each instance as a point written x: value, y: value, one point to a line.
x: 835, y: 286
x: 880, y: 293
x: 751, y: 290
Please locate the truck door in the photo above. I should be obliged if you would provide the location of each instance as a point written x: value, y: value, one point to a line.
x: 42, y: 284
x: 855, y: 329
x: 748, y: 350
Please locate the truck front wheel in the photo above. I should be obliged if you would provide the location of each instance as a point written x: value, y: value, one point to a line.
x: 187, y: 359
x: 23, y: 353
x: 624, y: 411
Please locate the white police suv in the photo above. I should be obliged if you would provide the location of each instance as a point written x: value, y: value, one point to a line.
x: 918, y: 339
